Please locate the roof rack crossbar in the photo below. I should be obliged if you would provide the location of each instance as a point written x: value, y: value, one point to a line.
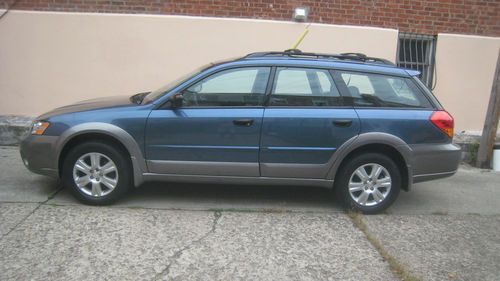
x: 343, y: 56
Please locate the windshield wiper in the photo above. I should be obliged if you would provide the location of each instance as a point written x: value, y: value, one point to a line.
x: 137, y: 98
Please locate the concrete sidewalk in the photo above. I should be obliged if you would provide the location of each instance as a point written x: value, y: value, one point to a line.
x: 441, y: 230
x: 82, y: 243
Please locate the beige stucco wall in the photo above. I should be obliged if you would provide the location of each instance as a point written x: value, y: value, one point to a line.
x: 465, y: 66
x: 51, y: 59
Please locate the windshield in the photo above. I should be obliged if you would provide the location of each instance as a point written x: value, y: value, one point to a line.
x: 158, y: 93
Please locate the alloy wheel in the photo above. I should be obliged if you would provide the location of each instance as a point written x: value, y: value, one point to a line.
x: 95, y: 174
x: 370, y: 184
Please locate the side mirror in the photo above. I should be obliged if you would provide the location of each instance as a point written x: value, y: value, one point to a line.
x: 176, y: 100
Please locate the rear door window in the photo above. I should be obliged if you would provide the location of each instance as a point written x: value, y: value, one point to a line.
x: 304, y: 87
x: 376, y: 90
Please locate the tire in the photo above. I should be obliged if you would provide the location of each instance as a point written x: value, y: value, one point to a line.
x: 367, y: 192
x: 97, y: 187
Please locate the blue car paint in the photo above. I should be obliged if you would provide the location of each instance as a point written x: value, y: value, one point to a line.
x: 315, y: 141
x: 131, y: 118
x: 410, y: 125
x: 203, y: 134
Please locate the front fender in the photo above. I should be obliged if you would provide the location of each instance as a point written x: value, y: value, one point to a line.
x: 137, y: 158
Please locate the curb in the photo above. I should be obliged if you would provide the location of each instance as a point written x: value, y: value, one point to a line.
x: 13, y: 129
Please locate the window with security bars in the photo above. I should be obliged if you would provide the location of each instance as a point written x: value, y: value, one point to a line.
x: 417, y: 51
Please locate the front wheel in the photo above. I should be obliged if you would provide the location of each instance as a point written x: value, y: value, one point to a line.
x: 96, y: 173
x: 368, y: 182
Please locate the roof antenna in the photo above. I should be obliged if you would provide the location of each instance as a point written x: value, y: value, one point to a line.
x: 293, y: 48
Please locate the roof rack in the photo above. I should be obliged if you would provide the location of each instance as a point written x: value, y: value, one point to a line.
x: 295, y: 53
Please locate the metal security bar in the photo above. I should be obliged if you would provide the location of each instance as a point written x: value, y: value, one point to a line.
x: 417, y: 51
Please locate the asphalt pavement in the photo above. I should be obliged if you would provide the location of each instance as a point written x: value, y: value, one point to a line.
x: 441, y: 230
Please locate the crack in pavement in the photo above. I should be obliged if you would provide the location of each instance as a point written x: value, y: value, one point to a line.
x: 51, y: 196
x: 179, y: 252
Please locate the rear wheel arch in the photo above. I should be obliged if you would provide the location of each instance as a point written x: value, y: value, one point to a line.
x: 384, y: 149
x: 387, y: 144
x: 368, y: 182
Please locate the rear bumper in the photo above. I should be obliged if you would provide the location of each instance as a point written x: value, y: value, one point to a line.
x: 434, y: 161
x: 38, y: 155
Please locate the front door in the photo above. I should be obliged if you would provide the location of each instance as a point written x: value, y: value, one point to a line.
x: 216, y: 131
x: 304, y: 124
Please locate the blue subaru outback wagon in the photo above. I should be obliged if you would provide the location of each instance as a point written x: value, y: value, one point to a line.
x: 357, y: 124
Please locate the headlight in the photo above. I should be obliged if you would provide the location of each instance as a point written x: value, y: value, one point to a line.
x: 39, y: 127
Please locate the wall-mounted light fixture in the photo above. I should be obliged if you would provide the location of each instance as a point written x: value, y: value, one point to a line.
x: 300, y: 14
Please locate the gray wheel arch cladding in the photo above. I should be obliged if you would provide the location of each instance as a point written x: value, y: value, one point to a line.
x: 137, y: 159
x: 370, y: 139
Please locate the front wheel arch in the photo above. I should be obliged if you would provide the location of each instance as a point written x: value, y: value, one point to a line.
x: 79, y: 163
x: 89, y: 137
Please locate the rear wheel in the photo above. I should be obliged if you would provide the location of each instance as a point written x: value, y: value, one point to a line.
x: 96, y: 173
x: 368, y: 183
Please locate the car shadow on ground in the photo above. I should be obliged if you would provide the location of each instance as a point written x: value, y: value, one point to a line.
x: 185, y: 196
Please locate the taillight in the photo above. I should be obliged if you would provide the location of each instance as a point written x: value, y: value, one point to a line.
x: 443, y: 121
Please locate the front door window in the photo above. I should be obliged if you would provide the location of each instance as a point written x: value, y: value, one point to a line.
x: 233, y: 87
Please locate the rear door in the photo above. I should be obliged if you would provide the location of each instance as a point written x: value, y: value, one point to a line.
x: 304, y: 124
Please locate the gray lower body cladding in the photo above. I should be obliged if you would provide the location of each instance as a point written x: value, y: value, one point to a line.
x: 428, y: 162
x: 38, y: 154
x: 433, y: 161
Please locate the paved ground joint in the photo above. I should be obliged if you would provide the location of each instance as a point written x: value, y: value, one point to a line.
x: 396, y: 267
x: 52, y: 195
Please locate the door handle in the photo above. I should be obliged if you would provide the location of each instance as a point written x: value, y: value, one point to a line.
x: 342, y: 123
x: 243, y: 122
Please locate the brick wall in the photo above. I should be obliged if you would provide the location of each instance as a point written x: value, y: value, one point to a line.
x: 481, y: 17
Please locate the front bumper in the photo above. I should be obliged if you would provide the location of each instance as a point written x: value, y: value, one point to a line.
x: 434, y: 161
x: 38, y: 155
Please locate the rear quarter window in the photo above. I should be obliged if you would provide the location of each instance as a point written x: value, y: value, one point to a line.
x: 377, y: 90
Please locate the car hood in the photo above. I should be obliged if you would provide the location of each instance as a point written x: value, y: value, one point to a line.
x: 93, y: 104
